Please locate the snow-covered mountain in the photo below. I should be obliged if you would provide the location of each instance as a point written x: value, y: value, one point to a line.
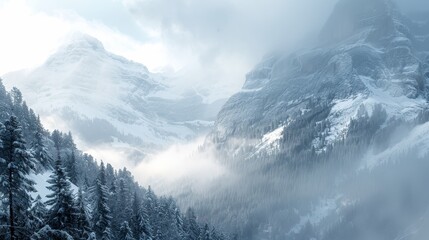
x: 112, y: 104
x: 373, y: 55
x: 324, y: 143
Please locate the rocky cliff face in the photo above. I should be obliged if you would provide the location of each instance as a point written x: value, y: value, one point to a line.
x: 309, y: 129
x: 370, y: 55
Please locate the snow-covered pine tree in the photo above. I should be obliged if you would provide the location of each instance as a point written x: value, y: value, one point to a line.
x: 48, y: 233
x: 125, y: 232
x: 136, y: 221
x: 70, y: 159
x: 57, y: 139
x: 38, y: 214
x: 205, y: 233
x: 32, y: 125
x: 16, y: 102
x: 62, y: 214
x: 71, y: 167
x: 215, y: 235
x: 82, y: 221
x: 179, y: 223
x: 16, y: 164
x: 150, y: 204
x: 191, y: 225
x: 39, y: 148
x: 167, y: 218
x: 102, y: 218
x: 147, y: 232
x: 110, y: 174
x: 122, y: 206
x: 5, y: 102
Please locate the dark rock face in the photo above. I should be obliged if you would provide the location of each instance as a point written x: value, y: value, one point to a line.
x: 325, y: 108
x: 376, y: 43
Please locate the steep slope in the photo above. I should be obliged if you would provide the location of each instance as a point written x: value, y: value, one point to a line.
x: 109, y: 101
x: 377, y: 61
x: 310, y: 128
x: 125, y: 202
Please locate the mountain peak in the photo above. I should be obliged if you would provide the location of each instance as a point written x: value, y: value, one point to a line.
x: 76, y: 47
x: 83, y: 41
x: 353, y: 16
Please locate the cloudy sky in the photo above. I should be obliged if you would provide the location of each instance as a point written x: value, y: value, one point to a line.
x: 211, y: 43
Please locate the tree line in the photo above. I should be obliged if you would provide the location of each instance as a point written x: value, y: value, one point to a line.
x: 86, y: 200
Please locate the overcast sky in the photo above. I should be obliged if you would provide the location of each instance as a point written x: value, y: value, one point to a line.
x: 209, y: 42
x: 212, y: 43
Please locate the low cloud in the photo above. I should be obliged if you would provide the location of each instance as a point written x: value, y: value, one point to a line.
x: 179, y: 163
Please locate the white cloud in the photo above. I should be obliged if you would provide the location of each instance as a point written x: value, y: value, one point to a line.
x: 218, y: 41
x: 180, y: 162
x: 213, y: 43
x: 29, y: 36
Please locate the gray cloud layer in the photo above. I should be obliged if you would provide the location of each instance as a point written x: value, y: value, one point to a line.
x: 237, y: 25
x: 226, y: 37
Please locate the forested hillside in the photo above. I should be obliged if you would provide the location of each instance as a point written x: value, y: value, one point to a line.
x: 86, y: 200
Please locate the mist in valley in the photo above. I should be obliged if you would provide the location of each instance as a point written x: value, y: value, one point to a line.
x: 267, y: 120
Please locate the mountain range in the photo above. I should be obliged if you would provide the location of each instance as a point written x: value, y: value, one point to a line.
x: 330, y: 142
x: 110, y: 102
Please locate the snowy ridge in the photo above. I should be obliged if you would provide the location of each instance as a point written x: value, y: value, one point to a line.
x: 270, y: 140
x: 419, y: 136
x: 106, y: 99
x: 344, y: 110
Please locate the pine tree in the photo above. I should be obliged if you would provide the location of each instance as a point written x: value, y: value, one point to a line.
x: 150, y: 204
x: 192, y: 228
x: 125, y: 232
x: 68, y: 143
x: 72, y: 171
x: 16, y: 165
x: 38, y: 214
x: 179, y: 223
x: 214, y: 234
x: 48, y: 233
x: 205, y: 233
x: 110, y: 174
x: 168, y: 221
x: 113, y: 205
x: 136, y: 221
x: 16, y: 102
x: 146, y: 227
x: 82, y: 221
x: 39, y: 148
x: 5, y: 102
x: 62, y: 215
x: 122, y: 206
x: 150, y: 209
x: 57, y: 139
x: 102, y: 218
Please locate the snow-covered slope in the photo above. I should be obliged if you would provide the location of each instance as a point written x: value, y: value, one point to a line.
x: 111, y: 102
x: 41, y: 184
x: 370, y: 56
x: 327, y: 141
